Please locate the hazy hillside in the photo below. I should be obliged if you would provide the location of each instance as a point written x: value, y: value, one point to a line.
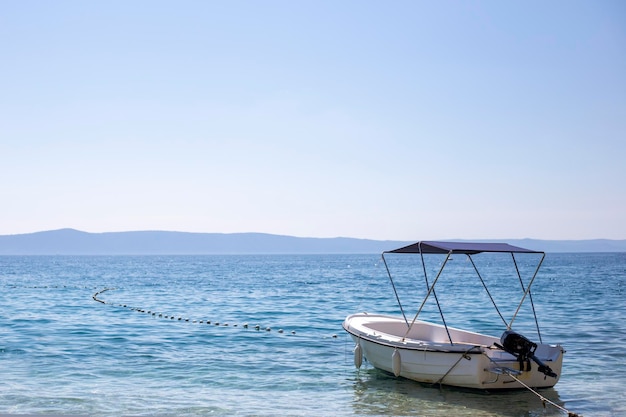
x: 74, y: 242
x: 70, y: 241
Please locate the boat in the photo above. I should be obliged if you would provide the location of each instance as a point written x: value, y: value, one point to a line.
x: 435, y: 353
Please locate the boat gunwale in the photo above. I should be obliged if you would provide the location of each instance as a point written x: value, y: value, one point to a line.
x: 426, y: 347
x: 422, y: 345
x: 411, y: 343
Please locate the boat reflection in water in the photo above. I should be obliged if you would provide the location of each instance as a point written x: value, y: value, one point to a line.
x: 380, y: 393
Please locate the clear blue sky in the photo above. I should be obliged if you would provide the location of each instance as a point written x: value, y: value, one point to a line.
x: 370, y: 119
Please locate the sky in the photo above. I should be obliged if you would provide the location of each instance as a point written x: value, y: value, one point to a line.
x: 402, y: 120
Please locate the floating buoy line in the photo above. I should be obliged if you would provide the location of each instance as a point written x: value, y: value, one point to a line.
x: 258, y: 327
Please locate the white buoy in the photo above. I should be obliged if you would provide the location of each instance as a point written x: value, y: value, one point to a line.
x: 396, y: 362
x: 358, y: 356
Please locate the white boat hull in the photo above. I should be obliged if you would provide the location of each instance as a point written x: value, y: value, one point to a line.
x: 426, y: 355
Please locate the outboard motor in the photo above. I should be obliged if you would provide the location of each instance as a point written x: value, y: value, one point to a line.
x: 524, y: 350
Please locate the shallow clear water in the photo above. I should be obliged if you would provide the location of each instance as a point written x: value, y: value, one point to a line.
x: 62, y: 352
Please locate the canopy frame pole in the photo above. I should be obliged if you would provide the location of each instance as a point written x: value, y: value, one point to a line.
x: 530, y: 295
x: 486, y: 289
x: 443, y: 319
x: 430, y: 290
x: 394, y: 290
x: 526, y: 292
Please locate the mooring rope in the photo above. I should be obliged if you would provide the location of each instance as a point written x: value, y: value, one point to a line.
x: 543, y: 399
x: 257, y: 327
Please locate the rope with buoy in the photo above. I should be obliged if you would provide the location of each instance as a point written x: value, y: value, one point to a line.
x: 258, y: 327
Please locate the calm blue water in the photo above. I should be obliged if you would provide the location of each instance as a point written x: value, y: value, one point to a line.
x: 61, y: 352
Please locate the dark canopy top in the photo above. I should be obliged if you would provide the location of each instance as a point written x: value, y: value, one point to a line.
x: 460, y: 247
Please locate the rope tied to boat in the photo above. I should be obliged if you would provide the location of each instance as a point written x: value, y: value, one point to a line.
x: 512, y: 373
x: 464, y: 355
x: 543, y: 399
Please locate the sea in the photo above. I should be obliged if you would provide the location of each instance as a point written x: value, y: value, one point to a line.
x: 261, y: 335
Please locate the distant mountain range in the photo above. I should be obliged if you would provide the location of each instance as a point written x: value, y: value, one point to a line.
x: 75, y: 242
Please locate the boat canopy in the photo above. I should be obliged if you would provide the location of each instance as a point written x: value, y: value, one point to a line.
x: 469, y: 248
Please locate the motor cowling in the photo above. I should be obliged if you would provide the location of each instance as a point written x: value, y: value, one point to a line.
x: 524, y: 350
x: 517, y: 345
